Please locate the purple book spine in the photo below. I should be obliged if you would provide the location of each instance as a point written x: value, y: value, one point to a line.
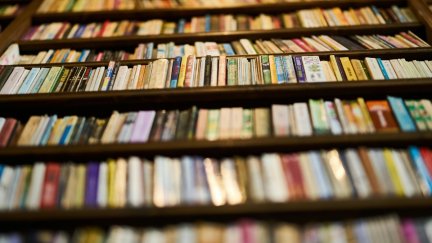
x: 92, y: 184
x: 142, y: 126
x: 409, y: 231
x: 301, y: 76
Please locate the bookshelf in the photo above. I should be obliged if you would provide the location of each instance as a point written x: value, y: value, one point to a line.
x: 300, y: 211
x: 103, y: 103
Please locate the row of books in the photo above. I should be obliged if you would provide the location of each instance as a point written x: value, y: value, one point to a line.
x: 316, y: 117
x: 194, y: 180
x: 209, y: 23
x: 239, y: 47
x: 206, y: 3
x: 55, y: 6
x: 384, y: 229
x: 204, y: 72
x: 8, y: 10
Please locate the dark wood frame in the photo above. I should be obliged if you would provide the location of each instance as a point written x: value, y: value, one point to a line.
x: 78, y: 103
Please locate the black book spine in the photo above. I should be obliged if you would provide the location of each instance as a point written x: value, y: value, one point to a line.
x: 207, y: 71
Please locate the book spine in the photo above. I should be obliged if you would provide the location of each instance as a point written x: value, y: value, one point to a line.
x: 175, y: 72
x: 300, y: 72
x: 383, y: 70
x: 207, y: 70
x: 92, y: 180
x: 401, y: 113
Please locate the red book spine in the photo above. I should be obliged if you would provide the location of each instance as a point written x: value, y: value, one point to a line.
x: 222, y: 23
x: 61, y: 31
x: 427, y: 158
x: 294, y: 176
x: 276, y: 22
x: 102, y: 30
x: 50, y: 186
x: 7, y: 131
x: 303, y: 45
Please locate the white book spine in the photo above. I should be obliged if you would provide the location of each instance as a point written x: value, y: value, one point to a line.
x: 274, y: 178
x: 361, y: 182
x: 135, y: 192
x: 102, y: 191
x: 36, y: 184
x: 6, y: 179
x: 303, y: 125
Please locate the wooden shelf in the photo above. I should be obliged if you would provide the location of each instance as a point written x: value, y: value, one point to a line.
x: 19, y: 155
x: 133, y: 41
x: 5, y: 2
x: 103, y: 103
x: 294, y: 211
x: 183, y: 12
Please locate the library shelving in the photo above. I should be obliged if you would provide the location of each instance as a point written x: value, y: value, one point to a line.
x: 103, y: 103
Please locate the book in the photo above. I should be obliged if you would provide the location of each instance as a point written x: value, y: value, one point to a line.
x: 382, y: 116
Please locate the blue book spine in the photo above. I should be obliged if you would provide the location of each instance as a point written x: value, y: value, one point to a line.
x: 161, y: 50
x: 301, y: 76
x: 1, y: 170
x: 402, y: 115
x: 65, y: 136
x: 207, y: 23
x: 175, y: 72
x: 181, y: 26
x: 83, y: 56
x: 188, y: 180
x: 375, y: 10
x: 149, y: 51
x: 50, y: 57
x: 28, y: 81
x: 319, y: 171
x: 279, y: 69
x: 343, y: 158
x: 80, y: 31
x: 383, y: 70
x: 398, y: 13
x: 420, y: 167
x: 170, y: 48
x: 40, y: 80
x: 182, y: 50
x: 65, y: 56
x: 361, y: 231
x: 228, y: 49
x: 47, y: 132
x: 285, y: 68
x: 202, y: 191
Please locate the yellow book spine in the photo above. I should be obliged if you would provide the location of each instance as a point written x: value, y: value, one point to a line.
x: 335, y: 68
x: 273, y: 73
x: 366, y: 115
x: 111, y: 183
x: 182, y: 74
x: 393, y: 173
x: 348, y: 69
x: 358, y: 69
x: 80, y: 186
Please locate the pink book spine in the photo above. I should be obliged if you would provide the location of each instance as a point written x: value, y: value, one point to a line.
x: 302, y: 45
x: 409, y: 231
x: 142, y: 127
x: 247, y: 231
